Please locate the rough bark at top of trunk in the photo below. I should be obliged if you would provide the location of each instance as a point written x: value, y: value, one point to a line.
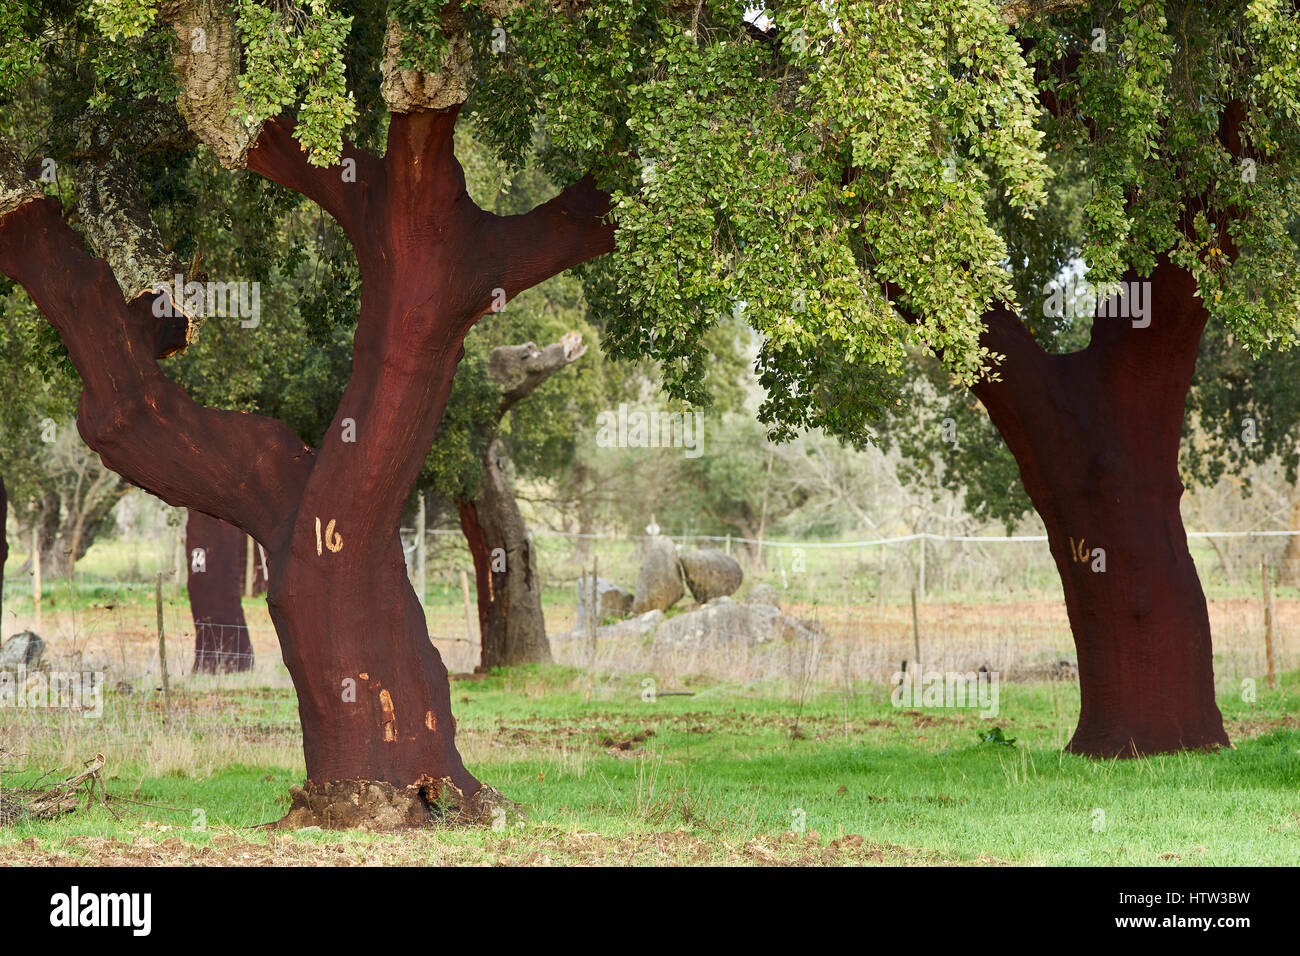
x: 16, y: 187
x: 209, y: 77
x: 1018, y: 11
x: 406, y: 91
x: 120, y: 229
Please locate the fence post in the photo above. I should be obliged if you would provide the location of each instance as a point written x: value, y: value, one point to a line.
x: 469, y: 625
x: 162, y: 649
x: 249, y: 565
x: 916, y: 637
x: 880, y: 578
x: 592, y: 619
x: 180, y: 561
x: 1268, y: 624
x: 921, y: 542
x: 36, y: 579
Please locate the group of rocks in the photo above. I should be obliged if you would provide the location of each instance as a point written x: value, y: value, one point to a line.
x: 711, y: 576
x: 665, y: 576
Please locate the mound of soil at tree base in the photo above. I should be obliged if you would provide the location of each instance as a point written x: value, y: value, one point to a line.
x: 659, y: 582
x: 711, y: 573
x: 380, y: 806
x: 723, y: 622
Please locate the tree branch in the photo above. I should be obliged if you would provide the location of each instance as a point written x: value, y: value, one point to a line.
x: 244, y: 469
x: 341, y: 190
x: 568, y: 230
x: 519, y: 369
x: 1018, y: 11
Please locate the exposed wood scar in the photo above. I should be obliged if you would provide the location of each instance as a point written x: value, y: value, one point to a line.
x: 390, y: 718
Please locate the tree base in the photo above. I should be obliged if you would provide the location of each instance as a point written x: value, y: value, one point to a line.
x: 377, y: 805
x: 1119, y: 746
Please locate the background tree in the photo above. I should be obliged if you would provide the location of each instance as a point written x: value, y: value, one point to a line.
x: 1174, y: 113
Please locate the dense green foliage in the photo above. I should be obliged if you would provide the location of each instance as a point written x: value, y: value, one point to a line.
x: 856, y: 185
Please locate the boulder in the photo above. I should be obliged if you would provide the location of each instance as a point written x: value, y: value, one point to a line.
x: 633, y: 627
x: 22, y: 650
x: 659, y: 582
x: 711, y: 573
x: 611, y: 600
x: 763, y: 594
x: 723, y: 622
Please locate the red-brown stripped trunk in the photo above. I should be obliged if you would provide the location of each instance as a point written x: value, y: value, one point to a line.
x: 215, y: 582
x: 1096, y: 435
x: 373, y: 694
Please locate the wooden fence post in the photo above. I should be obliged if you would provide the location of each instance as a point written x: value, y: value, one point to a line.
x: 162, y: 649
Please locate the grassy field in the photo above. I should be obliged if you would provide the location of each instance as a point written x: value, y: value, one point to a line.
x: 787, y: 753
x: 753, y: 775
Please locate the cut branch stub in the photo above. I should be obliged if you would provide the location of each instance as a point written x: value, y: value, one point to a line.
x: 519, y: 369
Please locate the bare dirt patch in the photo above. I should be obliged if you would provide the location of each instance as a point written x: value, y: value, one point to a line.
x: 657, y: 848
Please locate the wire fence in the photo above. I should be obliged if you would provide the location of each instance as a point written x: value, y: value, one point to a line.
x: 983, y: 602
x: 881, y: 570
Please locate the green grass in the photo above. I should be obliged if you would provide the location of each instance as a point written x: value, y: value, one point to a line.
x: 727, y: 769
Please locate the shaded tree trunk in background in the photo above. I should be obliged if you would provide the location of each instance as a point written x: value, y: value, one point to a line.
x: 1096, y: 436
x: 512, y: 627
x: 83, y: 522
x: 215, y: 554
x: 511, y: 624
x: 66, y: 531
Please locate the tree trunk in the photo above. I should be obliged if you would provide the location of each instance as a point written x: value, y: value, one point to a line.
x: 65, y: 531
x: 45, y: 519
x: 83, y: 523
x: 1096, y: 435
x: 373, y: 694
x: 511, y: 624
x: 215, y: 552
